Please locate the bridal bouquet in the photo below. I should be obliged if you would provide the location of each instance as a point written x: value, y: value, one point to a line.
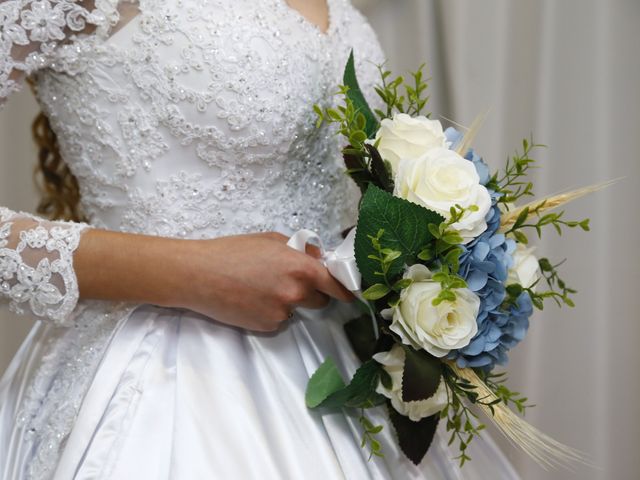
x: 448, y: 278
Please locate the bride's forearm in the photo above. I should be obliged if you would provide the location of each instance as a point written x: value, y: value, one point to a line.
x: 251, y: 281
x: 130, y: 267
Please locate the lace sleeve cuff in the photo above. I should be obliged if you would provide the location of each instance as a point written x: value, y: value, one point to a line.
x: 36, y: 265
x: 32, y: 30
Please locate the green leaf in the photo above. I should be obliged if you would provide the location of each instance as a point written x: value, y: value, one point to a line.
x: 452, y: 238
x: 357, y: 168
x: 514, y: 290
x: 358, y: 137
x: 405, y: 226
x: 434, y: 230
x: 521, y: 237
x: 323, y: 383
x: 354, y: 93
x: 426, y: 254
x: 414, y: 438
x: 522, y: 217
x: 334, y: 115
x: 421, y: 376
x: 453, y: 257
x: 376, y: 292
x: 361, y: 391
x: 402, y: 284
x: 386, y: 380
x: 362, y: 337
x: 379, y: 169
x: 376, y: 430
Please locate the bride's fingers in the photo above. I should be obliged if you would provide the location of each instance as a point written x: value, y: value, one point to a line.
x: 313, y: 251
x: 326, y: 283
x: 315, y: 300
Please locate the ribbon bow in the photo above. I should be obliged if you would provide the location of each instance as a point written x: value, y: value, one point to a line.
x: 340, y: 262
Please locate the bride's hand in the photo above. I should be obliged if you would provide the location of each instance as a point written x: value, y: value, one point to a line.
x: 255, y: 281
x: 251, y: 281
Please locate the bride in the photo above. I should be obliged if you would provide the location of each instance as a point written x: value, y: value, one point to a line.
x: 177, y: 331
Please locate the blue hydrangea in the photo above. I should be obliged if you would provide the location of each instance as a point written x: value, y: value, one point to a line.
x: 484, y: 264
x: 453, y: 136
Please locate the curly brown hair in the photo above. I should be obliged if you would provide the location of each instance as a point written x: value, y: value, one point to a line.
x: 59, y: 190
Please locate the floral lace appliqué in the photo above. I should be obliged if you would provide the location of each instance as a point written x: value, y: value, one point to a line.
x: 31, y: 30
x: 38, y: 272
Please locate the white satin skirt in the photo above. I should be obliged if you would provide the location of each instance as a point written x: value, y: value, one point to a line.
x: 177, y: 396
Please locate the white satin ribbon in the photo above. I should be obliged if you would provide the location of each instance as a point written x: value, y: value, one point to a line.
x: 340, y: 262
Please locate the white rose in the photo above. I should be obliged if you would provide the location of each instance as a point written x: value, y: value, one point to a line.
x: 441, y: 179
x: 525, y: 269
x: 393, y: 363
x: 436, y: 329
x: 404, y: 136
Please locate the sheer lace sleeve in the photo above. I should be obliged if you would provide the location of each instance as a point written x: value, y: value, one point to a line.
x: 32, y: 30
x: 36, y: 265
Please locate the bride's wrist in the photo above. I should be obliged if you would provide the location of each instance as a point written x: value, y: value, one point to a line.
x: 130, y: 267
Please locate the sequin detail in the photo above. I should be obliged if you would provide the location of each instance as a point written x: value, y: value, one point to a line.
x: 37, y: 273
x: 219, y: 93
x: 33, y: 30
x: 194, y: 120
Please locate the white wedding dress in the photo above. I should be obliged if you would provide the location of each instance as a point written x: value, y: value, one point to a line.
x: 193, y: 119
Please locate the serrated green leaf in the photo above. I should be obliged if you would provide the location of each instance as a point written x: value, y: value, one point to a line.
x: 323, y: 383
x: 421, y: 376
x: 414, y: 438
x: 361, y: 391
x: 405, y: 229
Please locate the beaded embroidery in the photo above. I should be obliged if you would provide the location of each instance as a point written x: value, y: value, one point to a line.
x: 193, y: 120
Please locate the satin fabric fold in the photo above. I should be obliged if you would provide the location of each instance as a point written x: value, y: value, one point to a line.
x: 181, y: 396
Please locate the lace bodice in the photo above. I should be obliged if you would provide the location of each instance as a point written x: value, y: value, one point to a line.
x: 191, y: 119
x: 183, y: 118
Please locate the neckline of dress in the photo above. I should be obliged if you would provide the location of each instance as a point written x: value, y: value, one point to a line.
x: 325, y: 34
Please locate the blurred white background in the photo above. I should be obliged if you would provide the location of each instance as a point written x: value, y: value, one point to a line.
x: 568, y: 72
